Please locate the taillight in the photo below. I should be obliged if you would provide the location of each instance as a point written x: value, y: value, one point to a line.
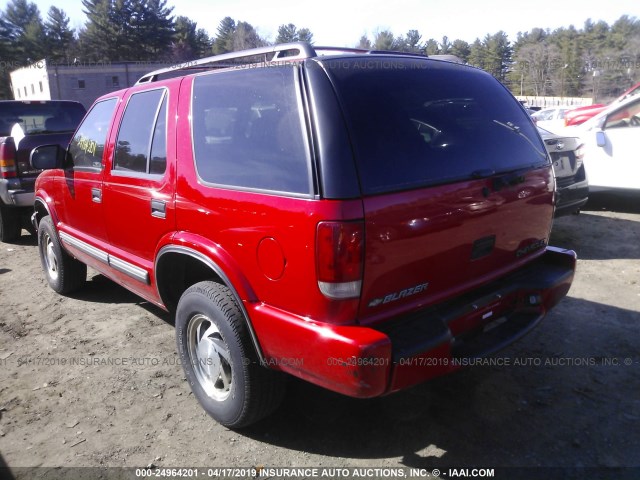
x: 579, y: 156
x: 7, y: 160
x: 339, y: 258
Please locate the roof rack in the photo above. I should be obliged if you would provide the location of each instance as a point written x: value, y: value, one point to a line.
x: 285, y: 51
x: 275, y: 53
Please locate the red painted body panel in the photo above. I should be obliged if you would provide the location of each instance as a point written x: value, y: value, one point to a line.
x: 352, y: 360
x: 236, y: 222
x: 361, y: 362
x: 426, y: 237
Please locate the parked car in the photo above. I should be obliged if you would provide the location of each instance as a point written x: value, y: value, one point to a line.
x: 611, y: 145
x: 23, y: 126
x: 362, y: 221
x: 551, y: 119
x: 572, y: 187
x: 580, y: 115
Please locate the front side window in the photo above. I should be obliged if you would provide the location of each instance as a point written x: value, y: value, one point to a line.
x: 141, y: 143
x: 628, y: 116
x: 87, y: 146
x: 247, y: 130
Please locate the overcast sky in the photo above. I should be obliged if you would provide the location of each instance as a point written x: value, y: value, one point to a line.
x: 342, y: 22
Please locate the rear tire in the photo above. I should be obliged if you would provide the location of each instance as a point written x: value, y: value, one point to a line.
x: 64, y: 273
x: 219, y: 359
x: 10, y: 224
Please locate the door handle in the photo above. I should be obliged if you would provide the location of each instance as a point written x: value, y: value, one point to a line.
x: 96, y: 195
x: 158, y: 208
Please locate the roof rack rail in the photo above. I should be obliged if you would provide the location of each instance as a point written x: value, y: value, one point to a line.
x: 365, y: 51
x: 285, y: 51
x: 281, y: 52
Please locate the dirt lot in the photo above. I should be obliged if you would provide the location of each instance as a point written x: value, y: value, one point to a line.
x: 567, y: 395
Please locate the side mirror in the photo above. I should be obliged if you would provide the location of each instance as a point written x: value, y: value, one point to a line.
x: 601, y: 139
x: 47, y: 157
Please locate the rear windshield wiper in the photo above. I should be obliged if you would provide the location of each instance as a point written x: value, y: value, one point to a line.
x: 516, y: 129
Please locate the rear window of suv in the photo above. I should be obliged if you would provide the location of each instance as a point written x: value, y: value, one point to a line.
x: 418, y: 122
x: 40, y: 117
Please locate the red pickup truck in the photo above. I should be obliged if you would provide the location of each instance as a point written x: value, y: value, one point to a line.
x: 361, y: 220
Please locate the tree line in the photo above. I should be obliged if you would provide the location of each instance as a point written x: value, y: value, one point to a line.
x: 598, y: 60
x: 119, y: 30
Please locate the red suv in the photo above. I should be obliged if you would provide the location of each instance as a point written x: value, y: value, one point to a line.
x: 363, y: 221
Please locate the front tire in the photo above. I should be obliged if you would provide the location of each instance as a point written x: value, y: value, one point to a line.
x: 219, y: 359
x: 64, y: 273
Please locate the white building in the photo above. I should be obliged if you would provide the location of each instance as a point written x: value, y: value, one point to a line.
x: 80, y: 81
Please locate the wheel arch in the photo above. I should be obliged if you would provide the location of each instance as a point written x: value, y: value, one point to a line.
x: 42, y: 209
x: 178, y: 267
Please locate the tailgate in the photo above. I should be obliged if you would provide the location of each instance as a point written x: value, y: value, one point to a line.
x: 428, y: 245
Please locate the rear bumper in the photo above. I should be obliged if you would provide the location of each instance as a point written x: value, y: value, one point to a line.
x: 12, y: 195
x: 572, y: 198
x: 366, y: 362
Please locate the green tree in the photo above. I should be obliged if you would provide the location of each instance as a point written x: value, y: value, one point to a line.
x: 477, y: 54
x: 364, y: 43
x: 497, y: 55
x: 461, y: 49
x: 223, y: 42
x: 290, y: 33
x: 189, y: 41
x: 25, y: 31
x: 151, y: 28
x: 565, y: 70
x: 305, y: 35
x: 203, y: 43
x: 103, y: 37
x: 60, y: 39
x: 287, y: 33
x: 413, y: 42
x: 445, y: 46
x: 432, y: 47
x: 533, y: 64
x: 384, y: 40
x: 184, y: 45
x: 127, y: 30
x: 6, y: 52
x: 623, y: 31
x: 245, y: 37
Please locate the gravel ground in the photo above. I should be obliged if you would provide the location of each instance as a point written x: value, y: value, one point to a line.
x: 93, y: 380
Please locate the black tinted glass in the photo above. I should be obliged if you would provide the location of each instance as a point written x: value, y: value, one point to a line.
x: 134, y: 137
x: 421, y: 122
x: 40, y: 117
x: 87, y: 145
x: 247, y: 130
x: 158, y: 161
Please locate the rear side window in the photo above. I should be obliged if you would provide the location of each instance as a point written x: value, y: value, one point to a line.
x: 87, y: 145
x: 247, y: 130
x: 141, y: 143
x: 418, y: 122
